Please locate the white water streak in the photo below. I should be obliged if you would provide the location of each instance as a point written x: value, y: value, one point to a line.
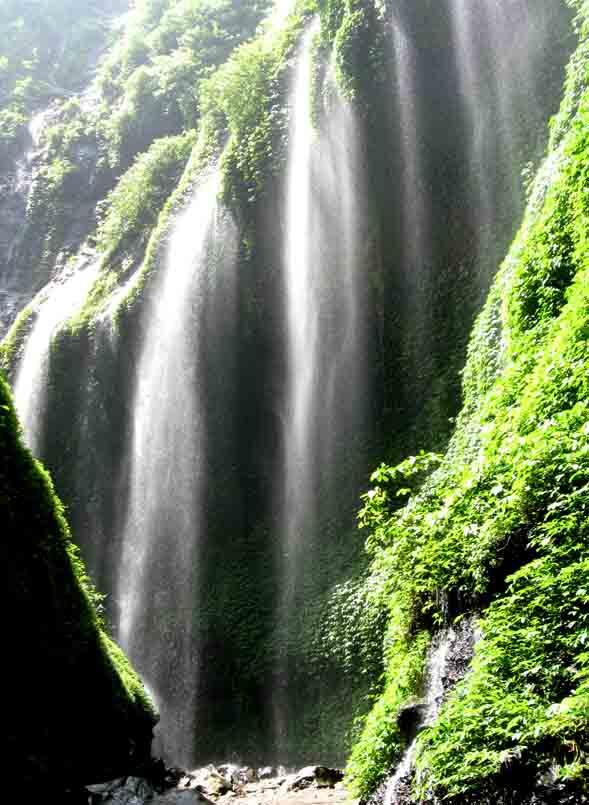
x: 497, y: 43
x: 56, y: 303
x: 302, y: 309
x: 437, y: 662
x: 158, y: 581
x: 324, y: 394
x: 417, y: 225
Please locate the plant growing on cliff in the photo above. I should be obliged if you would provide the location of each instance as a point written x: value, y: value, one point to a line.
x: 501, y: 525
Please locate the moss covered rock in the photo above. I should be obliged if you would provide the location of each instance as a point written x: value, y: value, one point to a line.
x: 74, y: 710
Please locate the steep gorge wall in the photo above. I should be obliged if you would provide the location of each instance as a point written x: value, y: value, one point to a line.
x: 416, y: 328
x: 64, y: 675
x: 499, y: 529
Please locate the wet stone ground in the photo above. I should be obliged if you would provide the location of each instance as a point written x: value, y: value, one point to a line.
x: 226, y: 785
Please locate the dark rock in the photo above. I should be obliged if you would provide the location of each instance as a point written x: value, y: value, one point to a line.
x: 125, y: 791
x: 172, y: 776
x: 409, y: 719
x: 181, y: 797
x: 320, y: 776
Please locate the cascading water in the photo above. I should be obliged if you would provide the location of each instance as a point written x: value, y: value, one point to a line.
x: 415, y: 213
x: 58, y: 302
x: 498, y: 48
x: 159, y: 573
x: 303, y: 334
x: 302, y: 316
x: 447, y: 661
x: 325, y: 389
x: 416, y: 235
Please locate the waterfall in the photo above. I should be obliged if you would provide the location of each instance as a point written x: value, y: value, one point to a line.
x: 56, y: 303
x: 302, y: 311
x: 159, y: 573
x: 498, y: 44
x: 416, y: 233
x: 447, y: 661
x: 325, y: 390
x: 416, y: 247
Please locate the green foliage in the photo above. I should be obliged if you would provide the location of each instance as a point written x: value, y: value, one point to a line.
x: 134, y: 204
x: 151, y: 80
x: 65, y: 676
x: 247, y: 97
x: 380, y: 743
x: 49, y: 47
x: 360, y: 48
x: 501, y: 524
x: 10, y: 346
x: 393, y: 486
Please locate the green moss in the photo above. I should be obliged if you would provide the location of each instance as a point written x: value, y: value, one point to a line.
x: 66, y: 678
x: 133, y: 209
x: 248, y: 97
x: 201, y: 156
x: 380, y: 743
x: 501, y: 526
x: 12, y: 343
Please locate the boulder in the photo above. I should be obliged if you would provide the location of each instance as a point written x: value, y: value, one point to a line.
x: 190, y: 796
x: 208, y: 780
x: 319, y: 776
x: 122, y: 791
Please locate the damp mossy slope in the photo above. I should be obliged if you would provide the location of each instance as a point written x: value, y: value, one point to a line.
x: 501, y: 527
x: 75, y: 711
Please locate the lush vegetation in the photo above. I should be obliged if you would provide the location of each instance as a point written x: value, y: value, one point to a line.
x: 49, y: 50
x: 501, y: 526
x: 65, y: 675
x: 497, y: 526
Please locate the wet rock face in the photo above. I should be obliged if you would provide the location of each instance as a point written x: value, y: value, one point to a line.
x: 15, y: 184
x: 41, y: 226
x: 409, y: 717
x: 458, y: 644
x: 462, y: 643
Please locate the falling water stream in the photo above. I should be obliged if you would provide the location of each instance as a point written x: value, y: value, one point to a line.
x: 416, y: 236
x: 325, y: 393
x: 189, y: 332
x: 498, y: 46
x: 57, y: 302
x: 159, y: 572
x: 447, y: 660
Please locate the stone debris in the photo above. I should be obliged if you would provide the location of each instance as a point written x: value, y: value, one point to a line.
x: 312, y: 785
x: 321, y: 776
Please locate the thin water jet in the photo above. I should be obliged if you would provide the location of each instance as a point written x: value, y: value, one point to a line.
x: 447, y: 661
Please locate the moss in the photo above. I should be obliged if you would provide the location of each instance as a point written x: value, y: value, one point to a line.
x: 248, y: 97
x: 501, y: 526
x: 66, y: 677
x: 12, y: 343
